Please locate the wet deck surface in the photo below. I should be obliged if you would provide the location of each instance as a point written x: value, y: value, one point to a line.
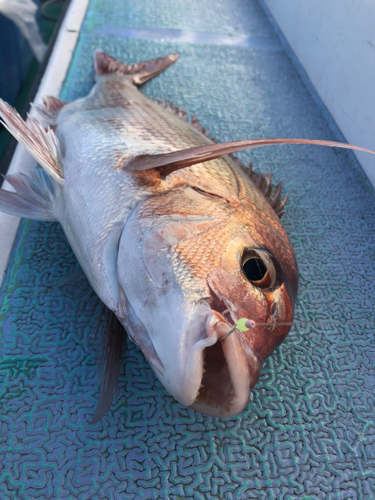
x: 309, y: 429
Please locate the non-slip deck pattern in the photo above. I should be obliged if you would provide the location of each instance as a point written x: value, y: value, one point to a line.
x: 308, y: 432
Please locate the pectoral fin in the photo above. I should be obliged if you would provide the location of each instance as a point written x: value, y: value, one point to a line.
x: 169, y: 162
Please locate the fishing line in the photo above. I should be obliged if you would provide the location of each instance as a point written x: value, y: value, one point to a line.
x: 322, y: 323
x: 245, y: 324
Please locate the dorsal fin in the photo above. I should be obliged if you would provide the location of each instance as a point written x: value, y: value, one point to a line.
x: 170, y: 162
x: 139, y: 73
x: 182, y: 114
x: 270, y: 192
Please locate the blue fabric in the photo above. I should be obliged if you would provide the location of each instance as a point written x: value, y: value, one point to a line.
x: 308, y: 432
x: 15, y: 59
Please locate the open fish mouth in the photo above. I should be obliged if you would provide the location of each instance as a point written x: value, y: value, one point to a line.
x: 221, y: 379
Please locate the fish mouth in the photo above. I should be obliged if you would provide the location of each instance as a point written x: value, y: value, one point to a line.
x: 203, y: 362
x: 225, y: 380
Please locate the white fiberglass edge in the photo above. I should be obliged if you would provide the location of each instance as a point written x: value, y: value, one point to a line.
x: 335, y: 43
x: 50, y: 85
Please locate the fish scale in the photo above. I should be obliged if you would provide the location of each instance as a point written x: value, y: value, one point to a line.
x: 169, y: 230
x: 197, y: 255
x: 165, y: 247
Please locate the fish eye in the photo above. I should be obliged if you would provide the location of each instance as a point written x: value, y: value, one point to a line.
x: 254, y: 269
x: 260, y: 268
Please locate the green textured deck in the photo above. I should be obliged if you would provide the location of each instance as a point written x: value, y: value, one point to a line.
x: 308, y: 432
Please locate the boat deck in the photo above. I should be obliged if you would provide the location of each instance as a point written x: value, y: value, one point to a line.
x: 308, y: 432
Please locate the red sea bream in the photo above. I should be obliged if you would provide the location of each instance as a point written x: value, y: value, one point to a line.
x: 175, y: 238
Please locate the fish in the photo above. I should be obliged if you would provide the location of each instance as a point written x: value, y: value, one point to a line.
x: 179, y: 241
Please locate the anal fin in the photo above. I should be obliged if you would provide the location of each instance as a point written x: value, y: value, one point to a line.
x: 41, y: 144
x: 50, y: 109
x: 34, y: 198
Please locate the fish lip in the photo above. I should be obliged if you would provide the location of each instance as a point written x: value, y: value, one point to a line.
x: 225, y: 392
x: 183, y: 375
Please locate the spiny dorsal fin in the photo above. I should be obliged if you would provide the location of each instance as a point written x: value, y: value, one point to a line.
x: 183, y: 115
x: 50, y: 110
x: 43, y: 145
x: 270, y: 192
x: 139, y: 73
x: 173, y: 108
x: 170, y: 162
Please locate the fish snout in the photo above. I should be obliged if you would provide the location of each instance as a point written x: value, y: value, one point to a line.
x: 206, y: 368
x: 224, y: 388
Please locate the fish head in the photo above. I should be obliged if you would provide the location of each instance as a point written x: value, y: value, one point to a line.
x: 251, y: 282
x: 186, y: 281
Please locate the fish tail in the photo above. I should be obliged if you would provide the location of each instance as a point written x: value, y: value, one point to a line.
x: 34, y: 197
x: 43, y: 145
x: 106, y: 65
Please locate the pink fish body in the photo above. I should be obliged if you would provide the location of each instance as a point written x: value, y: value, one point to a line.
x: 174, y: 237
